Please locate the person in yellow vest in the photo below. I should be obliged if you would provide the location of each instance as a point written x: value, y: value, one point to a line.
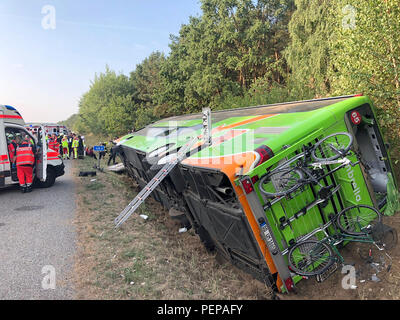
x: 65, y: 147
x: 75, y: 145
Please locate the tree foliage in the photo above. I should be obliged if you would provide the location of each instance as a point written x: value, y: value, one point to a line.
x: 367, y: 56
x: 308, y: 53
x: 224, y: 51
x: 107, y: 106
x: 251, y: 52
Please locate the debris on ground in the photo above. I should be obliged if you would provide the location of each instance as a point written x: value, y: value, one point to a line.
x: 119, y: 167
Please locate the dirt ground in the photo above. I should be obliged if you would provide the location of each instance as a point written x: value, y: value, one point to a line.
x: 371, y: 283
x: 149, y: 259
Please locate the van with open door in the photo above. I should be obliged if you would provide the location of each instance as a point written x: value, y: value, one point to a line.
x: 49, y: 164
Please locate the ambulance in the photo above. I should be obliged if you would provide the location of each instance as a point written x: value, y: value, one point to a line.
x: 49, y: 129
x: 49, y: 164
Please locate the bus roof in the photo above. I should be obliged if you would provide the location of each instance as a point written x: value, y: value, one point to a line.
x: 286, y: 107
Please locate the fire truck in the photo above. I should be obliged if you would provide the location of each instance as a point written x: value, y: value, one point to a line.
x: 49, y: 164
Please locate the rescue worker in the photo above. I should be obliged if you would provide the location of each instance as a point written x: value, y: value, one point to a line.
x: 84, y: 146
x: 102, y: 154
x: 70, y: 139
x: 56, y: 144
x: 75, y: 145
x: 90, y: 153
x: 113, y: 152
x: 12, y: 148
x: 81, y: 147
x: 65, y: 147
x: 53, y: 144
x: 25, y: 160
x: 59, y: 141
x: 35, y: 136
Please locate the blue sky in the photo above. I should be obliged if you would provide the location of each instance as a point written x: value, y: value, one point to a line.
x: 43, y: 73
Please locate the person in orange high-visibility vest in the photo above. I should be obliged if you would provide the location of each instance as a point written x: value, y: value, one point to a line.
x: 12, y: 146
x: 25, y: 160
x: 52, y: 144
x: 55, y: 144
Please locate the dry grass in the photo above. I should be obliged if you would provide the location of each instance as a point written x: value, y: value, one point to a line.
x: 145, y: 259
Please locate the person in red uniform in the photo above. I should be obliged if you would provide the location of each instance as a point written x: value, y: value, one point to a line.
x: 53, y: 143
x: 12, y: 147
x: 57, y: 144
x: 25, y: 160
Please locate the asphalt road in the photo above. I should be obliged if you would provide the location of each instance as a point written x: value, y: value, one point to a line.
x: 37, y: 241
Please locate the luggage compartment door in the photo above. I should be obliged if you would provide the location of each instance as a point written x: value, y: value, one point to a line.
x: 372, y: 151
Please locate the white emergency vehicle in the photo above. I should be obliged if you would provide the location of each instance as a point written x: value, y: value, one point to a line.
x: 49, y: 164
x: 50, y: 129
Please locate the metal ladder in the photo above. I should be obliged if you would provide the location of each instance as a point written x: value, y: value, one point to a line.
x: 158, y: 178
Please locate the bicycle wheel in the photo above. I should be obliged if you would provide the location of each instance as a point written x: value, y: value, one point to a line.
x: 389, y: 238
x: 285, y: 181
x: 359, y: 220
x: 332, y: 147
x: 310, y: 258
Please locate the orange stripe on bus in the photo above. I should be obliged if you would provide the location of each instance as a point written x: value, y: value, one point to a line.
x: 242, y: 123
x: 229, y: 166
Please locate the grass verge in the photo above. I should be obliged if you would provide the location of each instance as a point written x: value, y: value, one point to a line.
x: 144, y: 259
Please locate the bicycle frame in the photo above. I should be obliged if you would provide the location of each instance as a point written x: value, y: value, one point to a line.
x: 318, y: 165
x: 334, y: 240
x: 301, y: 164
x: 342, y: 237
x: 310, y: 178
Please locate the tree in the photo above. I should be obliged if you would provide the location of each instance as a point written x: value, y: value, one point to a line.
x: 178, y: 69
x: 108, y: 103
x: 224, y: 51
x: 70, y: 122
x: 309, y: 54
x: 367, y: 56
x: 146, y: 79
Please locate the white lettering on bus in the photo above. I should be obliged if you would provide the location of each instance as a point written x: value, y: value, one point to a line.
x: 356, y: 188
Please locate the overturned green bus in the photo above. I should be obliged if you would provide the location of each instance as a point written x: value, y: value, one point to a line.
x: 276, y: 176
